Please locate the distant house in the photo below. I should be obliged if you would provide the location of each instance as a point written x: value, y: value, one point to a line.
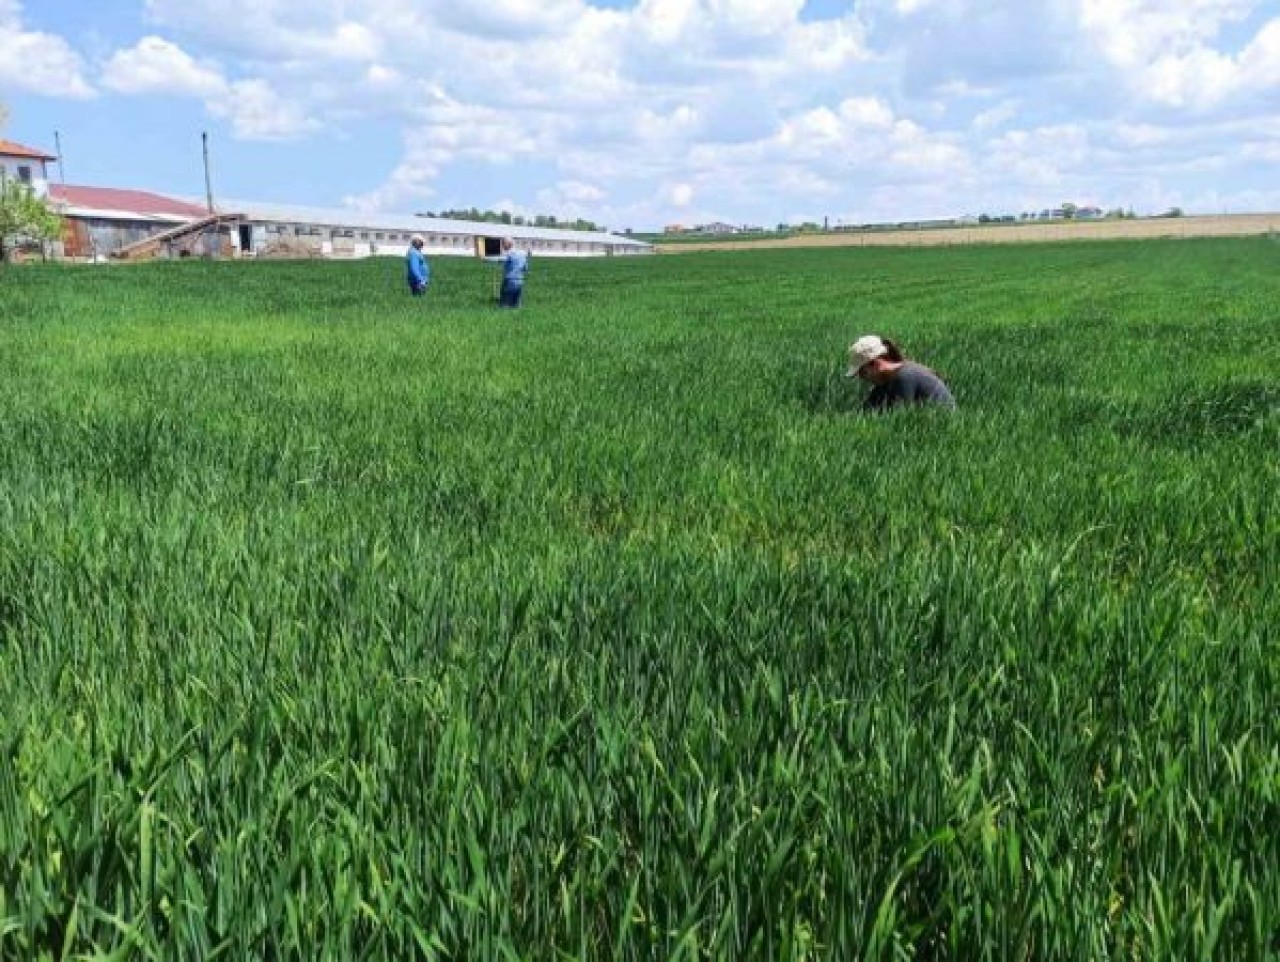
x: 717, y: 227
x: 925, y: 224
x: 1089, y: 213
x: 25, y: 165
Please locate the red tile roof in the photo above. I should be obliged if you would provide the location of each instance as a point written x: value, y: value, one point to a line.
x: 114, y: 199
x: 9, y: 149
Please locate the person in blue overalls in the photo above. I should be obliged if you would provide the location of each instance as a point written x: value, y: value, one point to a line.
x: 417, y: 270
x: 515, y: 265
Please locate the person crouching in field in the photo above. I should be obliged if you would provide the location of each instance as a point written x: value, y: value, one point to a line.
x: 896, y: 379
x: 417, y: 270
x: 515, y: 265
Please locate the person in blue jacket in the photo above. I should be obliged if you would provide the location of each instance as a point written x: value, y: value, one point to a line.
x: 417, y: 270
x: 515, y: 265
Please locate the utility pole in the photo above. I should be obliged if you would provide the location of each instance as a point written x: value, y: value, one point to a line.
x: 208, y: 184
x: 57, y: 145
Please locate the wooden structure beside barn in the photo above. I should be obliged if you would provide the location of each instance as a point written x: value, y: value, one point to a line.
x: 101, y: 222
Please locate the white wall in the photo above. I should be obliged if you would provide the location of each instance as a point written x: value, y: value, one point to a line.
x: 348, y: 242
x: 38, y: 169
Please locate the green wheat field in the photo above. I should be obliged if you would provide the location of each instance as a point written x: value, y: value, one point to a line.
x: 336, y: 624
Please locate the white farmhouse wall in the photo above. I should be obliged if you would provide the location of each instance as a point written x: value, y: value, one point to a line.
x: 37, y: 169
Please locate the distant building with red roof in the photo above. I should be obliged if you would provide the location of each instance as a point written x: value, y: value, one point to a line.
x: 25, y: 165
x: 115, y: 202
x: 102, y: 220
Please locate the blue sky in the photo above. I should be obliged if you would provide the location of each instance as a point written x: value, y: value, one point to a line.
x: 641, y: 113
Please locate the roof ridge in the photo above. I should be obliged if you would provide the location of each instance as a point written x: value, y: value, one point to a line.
x: 12, y: 148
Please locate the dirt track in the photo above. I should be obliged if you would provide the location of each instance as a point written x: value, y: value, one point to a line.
x: 1229, y: 225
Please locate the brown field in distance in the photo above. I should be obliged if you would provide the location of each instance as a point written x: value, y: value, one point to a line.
x: 1226, y: 225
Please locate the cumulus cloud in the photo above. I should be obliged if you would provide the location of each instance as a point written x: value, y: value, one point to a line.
x: 155, y: 65
x: 996, y: 116
x: 740, y: 110
x: 445, y: 130
x: 1169, y: 50
x: 1044, y: 156
x: 678, y: 195
x: 38, y: 62
x: 282, y: 31
x: 255, y: 110
x: 511, y: 19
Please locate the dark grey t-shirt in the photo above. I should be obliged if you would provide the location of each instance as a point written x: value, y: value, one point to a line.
x: 913, y: 384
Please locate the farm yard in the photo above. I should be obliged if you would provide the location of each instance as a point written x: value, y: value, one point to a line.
x: 338, y: 624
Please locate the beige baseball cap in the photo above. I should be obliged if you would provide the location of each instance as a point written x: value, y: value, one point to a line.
x: 863, y: 351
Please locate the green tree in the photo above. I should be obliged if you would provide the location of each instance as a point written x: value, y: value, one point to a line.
x: 23, y: 217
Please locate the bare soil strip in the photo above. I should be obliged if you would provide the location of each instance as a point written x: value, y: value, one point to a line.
x: 1228, y: 225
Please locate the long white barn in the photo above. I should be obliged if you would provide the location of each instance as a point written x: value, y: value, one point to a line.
x: 256, y: 228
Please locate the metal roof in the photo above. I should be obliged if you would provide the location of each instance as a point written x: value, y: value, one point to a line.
x: 111, y: 203
x: 374, y: 220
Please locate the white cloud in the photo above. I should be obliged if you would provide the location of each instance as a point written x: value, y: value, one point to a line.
x: 382, y: 76
x: 576, y: 192
x: 282, y: 31
x: 665, y: 22
x: 42, y: 63
x: 571, y: 199
x: 155, y: 65
x: 511, y: 19
x: 257, y: 112
x: 253, y: 107
x: 445, y: 130
x: 996, y: 116
x: 1043, y: 157
x: 678, y: 195
x: 1166, y: 48
x: 1259, y: 62
x: 863, y: 134
x: 1142, y: 135
x: 741, y: 110
x: 755, y: 17
x: 1137, y: 32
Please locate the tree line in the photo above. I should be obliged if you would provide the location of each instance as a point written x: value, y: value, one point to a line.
x: 515, y: 220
